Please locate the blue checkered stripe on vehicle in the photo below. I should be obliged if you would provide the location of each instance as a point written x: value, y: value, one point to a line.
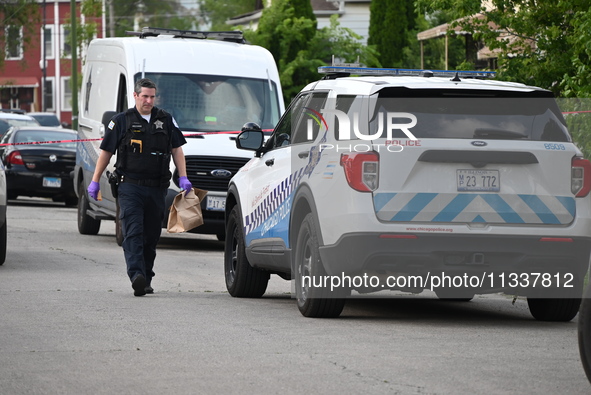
x: 271, y: 202
x: 469, y: 208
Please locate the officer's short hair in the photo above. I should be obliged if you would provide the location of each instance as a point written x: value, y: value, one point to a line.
x: 143, y: 83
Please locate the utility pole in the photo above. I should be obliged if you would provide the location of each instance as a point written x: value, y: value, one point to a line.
x: 111, y: 19
x: 74, y: 77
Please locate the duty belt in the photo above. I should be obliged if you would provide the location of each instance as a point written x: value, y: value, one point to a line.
x: 144, y: 183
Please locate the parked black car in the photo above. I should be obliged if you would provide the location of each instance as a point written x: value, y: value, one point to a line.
x: 39, y: 162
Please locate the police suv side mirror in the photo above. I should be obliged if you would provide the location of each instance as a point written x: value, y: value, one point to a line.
x: 251, y: 140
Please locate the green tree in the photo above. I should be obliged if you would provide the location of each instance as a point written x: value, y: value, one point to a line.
x: 543, y: 43
x: 155, y: 13
x: 285, y: 29
x: 433, y: 49
x: 389, y: 27
x: 216, y: 12
x: 299, y: 48
x: 14, y: 16
x: 287, y: 32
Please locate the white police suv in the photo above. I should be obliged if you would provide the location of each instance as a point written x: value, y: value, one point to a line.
x: 391, y: 179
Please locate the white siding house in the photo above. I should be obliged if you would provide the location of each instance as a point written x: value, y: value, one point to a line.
x: 353, y: 14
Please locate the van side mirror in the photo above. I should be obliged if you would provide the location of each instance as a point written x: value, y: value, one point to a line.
x: 107, y: 116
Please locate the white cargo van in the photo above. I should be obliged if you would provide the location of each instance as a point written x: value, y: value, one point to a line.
x: 211, y: 82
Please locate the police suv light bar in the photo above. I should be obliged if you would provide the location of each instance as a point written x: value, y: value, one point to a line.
x: 232, y: 35
x: 340, y: 70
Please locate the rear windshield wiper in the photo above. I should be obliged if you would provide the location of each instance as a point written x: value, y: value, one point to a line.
x: 491, y: 133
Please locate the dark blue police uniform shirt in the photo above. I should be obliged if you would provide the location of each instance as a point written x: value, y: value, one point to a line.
x: 117, y: 128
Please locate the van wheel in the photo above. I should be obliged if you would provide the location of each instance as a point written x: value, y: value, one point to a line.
x: 71, y: 201
x: 242, y: 280
x: 118, y: 226
x: 319, y: 301
x: 554, y: 309
x: 86, y: 224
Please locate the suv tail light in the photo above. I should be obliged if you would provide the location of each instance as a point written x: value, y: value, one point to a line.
x: 361, y: 170
x: 14, y: 158
x: 580, y: 177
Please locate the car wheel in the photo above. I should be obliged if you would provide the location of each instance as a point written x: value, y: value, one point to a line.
x: 554, y: 309
x: 584, y: 329
x: 118, y: 226
x: 221, y: 236
x: 3, y: 241
x: 86, y: 224
x: 314, y: 301
x: 242, y: 280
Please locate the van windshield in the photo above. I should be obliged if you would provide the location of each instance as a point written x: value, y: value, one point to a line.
x: 216, y: 103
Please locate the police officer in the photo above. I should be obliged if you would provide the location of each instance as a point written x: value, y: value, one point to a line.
x: 145, y: 138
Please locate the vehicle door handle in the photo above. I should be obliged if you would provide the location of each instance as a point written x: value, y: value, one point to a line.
x: 270, y: 162
x: 304, y: 154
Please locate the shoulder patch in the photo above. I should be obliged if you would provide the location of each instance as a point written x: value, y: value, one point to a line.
x: 111, y: 125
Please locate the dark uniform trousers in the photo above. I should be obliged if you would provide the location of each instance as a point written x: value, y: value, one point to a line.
x: 141, y: 214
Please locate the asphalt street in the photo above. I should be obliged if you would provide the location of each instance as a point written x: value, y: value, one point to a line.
x: 71, y: 325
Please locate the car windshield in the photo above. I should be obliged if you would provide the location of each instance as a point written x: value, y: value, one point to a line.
x: 216, y: 103
x: 49, y: 138
x: 459, y: 114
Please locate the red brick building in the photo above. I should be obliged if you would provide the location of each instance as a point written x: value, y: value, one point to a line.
x: 22, y: 77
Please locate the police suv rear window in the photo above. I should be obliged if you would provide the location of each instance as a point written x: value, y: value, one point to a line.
x: 458, y: 114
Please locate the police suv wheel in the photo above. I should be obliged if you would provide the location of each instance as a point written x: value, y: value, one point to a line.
x: 584, y: 329
x: 554, y: 309
x: 313, y: 300
x: 86, y: 224
x: 242, y: 280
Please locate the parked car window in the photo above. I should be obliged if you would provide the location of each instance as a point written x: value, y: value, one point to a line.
x: 46, y: 119
x: 30, y: 136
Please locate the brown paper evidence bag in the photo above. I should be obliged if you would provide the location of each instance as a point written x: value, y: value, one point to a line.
x: 185, y: 211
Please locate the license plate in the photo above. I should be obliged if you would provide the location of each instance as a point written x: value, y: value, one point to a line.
x: 216, y: 203
x: 478, y: 180
x: 52, y: 182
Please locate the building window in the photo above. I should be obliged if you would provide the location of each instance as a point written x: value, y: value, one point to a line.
x: 66, y: 47
x: 48, y: 94
x: 47, y: 42
x: 14, y: 42
x: 66, y: 94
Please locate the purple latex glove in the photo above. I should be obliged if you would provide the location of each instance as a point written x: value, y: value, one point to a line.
x: 93, y: 189
x: 185, y: 184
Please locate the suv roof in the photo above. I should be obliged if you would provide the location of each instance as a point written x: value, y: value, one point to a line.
x: 370, y: 80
